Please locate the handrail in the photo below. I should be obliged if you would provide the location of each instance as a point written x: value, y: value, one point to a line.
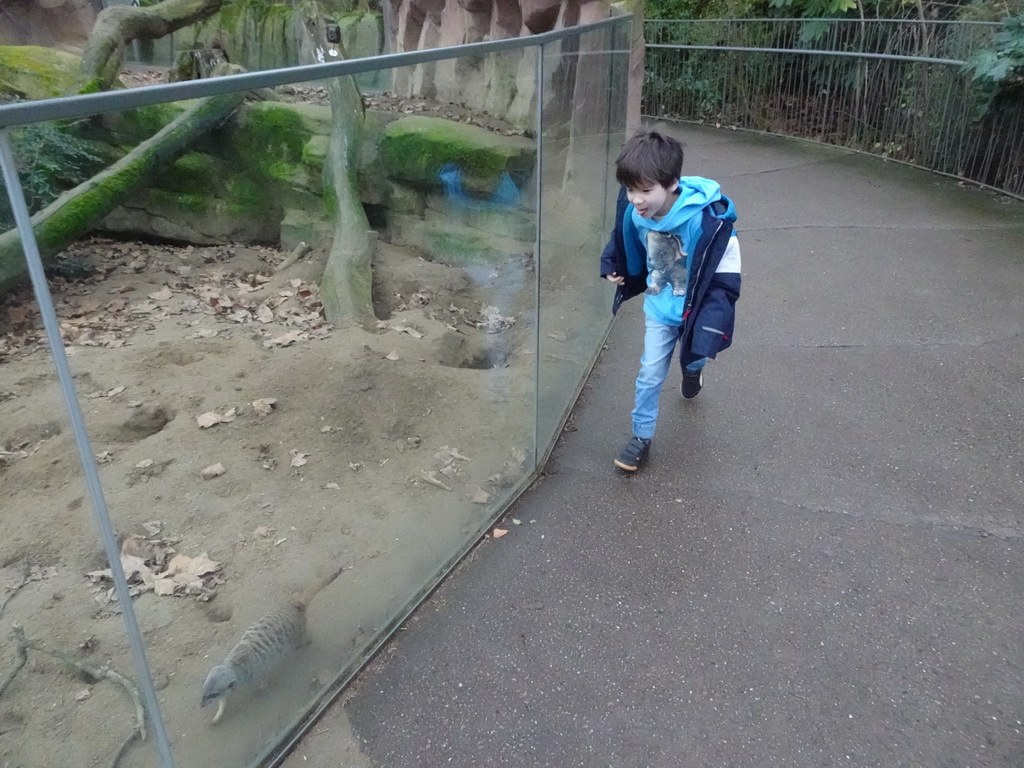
x: 829, y: 21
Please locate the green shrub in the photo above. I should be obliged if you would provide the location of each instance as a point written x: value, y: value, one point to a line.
x: 51, y: 159
x: 998, y: 71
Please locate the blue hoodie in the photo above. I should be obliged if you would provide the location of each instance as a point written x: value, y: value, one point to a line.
x: 702, y: 220
x: 670, y: 243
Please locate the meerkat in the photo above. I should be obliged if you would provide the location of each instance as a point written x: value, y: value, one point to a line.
x: 261, y: 648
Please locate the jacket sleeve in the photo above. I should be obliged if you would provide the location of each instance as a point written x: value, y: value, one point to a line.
x: 716, y: 316
x: 613, y: 257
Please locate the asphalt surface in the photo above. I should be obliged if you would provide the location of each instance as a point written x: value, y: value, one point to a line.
x: 821, y: 564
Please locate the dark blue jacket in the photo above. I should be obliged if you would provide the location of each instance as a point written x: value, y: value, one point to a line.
x: 709, y: 314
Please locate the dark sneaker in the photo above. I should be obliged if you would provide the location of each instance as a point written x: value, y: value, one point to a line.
x: 632, y: 454
x: 692, y: 382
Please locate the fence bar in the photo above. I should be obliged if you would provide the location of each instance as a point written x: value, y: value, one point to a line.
x: 808, y: 51
x: 52, y: 325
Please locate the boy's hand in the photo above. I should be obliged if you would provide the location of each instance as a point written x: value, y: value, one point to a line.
x: 613, y: 277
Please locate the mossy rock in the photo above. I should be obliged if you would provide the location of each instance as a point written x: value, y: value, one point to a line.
x: 34, y: 72
x: 133, y: 126
x: 452, y: 244
x: 193, y: 173
x: 269, y: 139
x: 415, y: 149
x: 314, y: 153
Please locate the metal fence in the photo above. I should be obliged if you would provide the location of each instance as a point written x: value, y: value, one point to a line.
x: 893, y: 88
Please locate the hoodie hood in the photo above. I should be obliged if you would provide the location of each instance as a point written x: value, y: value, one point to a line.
x: 694, y: 193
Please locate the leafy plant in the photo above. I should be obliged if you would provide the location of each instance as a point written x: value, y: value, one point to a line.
x: 50, y: 160
x: 998, y: 70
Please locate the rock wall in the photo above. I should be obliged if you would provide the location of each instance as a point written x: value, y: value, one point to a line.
x: 55, y: 23
x: 503, y: 85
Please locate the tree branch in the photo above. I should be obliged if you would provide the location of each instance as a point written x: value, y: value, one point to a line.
x: 23, y: 644
x: 117, y: 26
x: 14, y: 590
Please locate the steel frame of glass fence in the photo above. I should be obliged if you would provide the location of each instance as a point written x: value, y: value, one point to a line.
x: 71, y: 107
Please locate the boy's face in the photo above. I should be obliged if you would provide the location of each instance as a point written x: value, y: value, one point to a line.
x: 651, y: 199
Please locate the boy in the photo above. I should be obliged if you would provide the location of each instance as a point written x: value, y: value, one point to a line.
x: 673, y: 242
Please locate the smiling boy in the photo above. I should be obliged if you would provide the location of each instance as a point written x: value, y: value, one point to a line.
x: 674, y: 242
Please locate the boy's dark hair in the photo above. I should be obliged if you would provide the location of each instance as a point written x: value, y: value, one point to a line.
x: 649, y: 157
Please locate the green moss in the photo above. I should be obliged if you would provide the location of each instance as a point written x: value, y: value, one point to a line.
x: 192, y: 173
x: 136, y: 125
x: 34, y: 72
x: 282, y: 171
x: 414, y: 149
x: 314, y: 153
x: 269, y: 135
x: 78, y: 214
x: 258, y: 10
x: 95, y: 85
x: 183, y: 201
x: 244, y: 196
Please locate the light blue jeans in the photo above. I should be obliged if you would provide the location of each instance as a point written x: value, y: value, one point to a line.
x: 659, y: 343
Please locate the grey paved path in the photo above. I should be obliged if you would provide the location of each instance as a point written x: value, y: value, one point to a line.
x: 822, y: 563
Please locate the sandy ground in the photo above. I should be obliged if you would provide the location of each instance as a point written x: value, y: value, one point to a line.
x: 245, y: 448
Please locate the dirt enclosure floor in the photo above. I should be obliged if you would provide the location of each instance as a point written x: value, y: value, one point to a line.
x: 245, y: 449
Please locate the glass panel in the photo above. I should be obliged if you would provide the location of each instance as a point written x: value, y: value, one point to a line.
x: 294, y: 402
x: 249, y: 447
x: 69, y: 691
x: 583, y: 127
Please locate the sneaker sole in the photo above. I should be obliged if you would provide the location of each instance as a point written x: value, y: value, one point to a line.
x: 626, y: 467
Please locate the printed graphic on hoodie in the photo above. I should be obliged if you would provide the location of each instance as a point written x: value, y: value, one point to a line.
x: 666, y: 262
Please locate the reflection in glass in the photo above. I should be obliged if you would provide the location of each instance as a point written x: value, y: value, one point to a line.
x: 582, y: 129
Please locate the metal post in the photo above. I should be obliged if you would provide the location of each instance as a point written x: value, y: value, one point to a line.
x: 46, y: 310
x: 538, y: 255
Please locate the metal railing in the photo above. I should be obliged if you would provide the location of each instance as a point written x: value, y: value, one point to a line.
x: 892, y: 88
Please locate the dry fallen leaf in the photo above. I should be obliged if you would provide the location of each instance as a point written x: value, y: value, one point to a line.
x: 498, y: 532
x: 298, y: 457
x: 208, y: 419
x: 391, y: 356
x: 137, y: 546
x: 162, y: 295
x: 214, y: 470
x: 264, y: 405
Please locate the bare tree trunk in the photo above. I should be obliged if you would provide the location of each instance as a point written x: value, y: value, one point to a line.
x: 346, y: 287
x: 117, y: 26
x: 75, y: 212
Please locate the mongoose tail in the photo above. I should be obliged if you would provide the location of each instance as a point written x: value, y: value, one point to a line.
x: 307, y: 596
